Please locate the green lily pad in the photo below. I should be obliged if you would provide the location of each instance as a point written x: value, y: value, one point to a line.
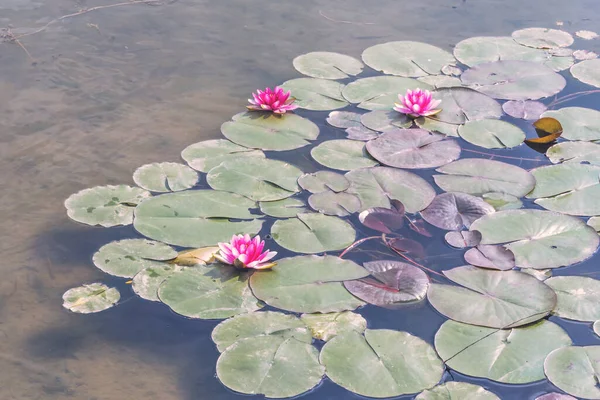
x: 105, y: 205
x: 594, y: 222
x: 379, y: 92
x: 457, y: 391
x: 587, y: 71
x: 286, y: 208
x: 91, y: 298
x: 313, y: 233
x: 409, y: 59
x: 204, y: 156
x: 342, y: 154
x: 268, y: 131
x: 515, y: 298
x: 578, y: 123
x: 578, y: 297
x: 441, y: 81
x: 492, y: 134
x: 257, y: 324
x: 323, y: 181
x: 146, y: 282
x: 383, y: 120
x: 316, y: 94
x: 376, y: 186
x: 327, y: 326
x: 344, y: 119
x: 331, y: 203
x: 196, y: 218
x: 539, y: 239
x: 125, y: 258
x: 308, y: 284
x: 478, y: 176
x: 574, y: 152
x: 259, y: 179
x: 514, y: 356
x: 575, y: 370
x: 326, y: 65
x: 502, y: 201
x: 543, y: 38
x: 596, y: 328
x: 212, y: 292
x: 461, y: 104
x: 165, y: 177
x: 434, y: 125
x: 396, y: 362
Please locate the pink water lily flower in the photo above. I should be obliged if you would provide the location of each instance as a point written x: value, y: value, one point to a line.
x: 417, y: 103
x: 243, y: 252
x: 275, y: 100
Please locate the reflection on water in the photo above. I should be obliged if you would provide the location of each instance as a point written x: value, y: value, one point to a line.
x: 110, y: 90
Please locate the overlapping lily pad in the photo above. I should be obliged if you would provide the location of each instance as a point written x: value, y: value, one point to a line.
x: 327, y: 326
x: 457, y: 391
x: 342, y: 154
x: 587, y: 71
x: 574, y: 152
x: 578, y: 123
x: 578, y: 297
x: 575, y: 370
x: 524, y: 109
x: 146, y: 282
x: 91, y: 298
x: 492, y: 134
x: 502, y: 201
x: 327, y: 65
x: 344, y: 119
x: 453, y: 211
x: 316, y: 94
x: 379, y: 92
x: 491, y: 256
x: 460, y: 104
x: 204, y: 156
x: 127, y: 257
x: 462, y: 239
x: 441, y: 81
x: 543, y: 38
x: 286, y: 208
x: 331, y: 203
x: 165, y: 177
x: 386, y: 220
x: 323, y: 181
x: 385, y: 120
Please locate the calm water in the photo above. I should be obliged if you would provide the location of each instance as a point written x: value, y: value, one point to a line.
x: 110, y: 90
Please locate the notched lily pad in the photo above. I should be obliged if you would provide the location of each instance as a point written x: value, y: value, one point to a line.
x: 461, y: 104
x: 385, y: 120
x: 462, y: 239
x: 453, y: 211
x: 327, y: 326
x: 578, y: 123
x: 578, y: 297
x: 331, y: 203
x: 91, y: 298
x: 379, y: 92
x: 344, y: 119
x: 165, y: 177
x: 323, y: 181
x: 574, y: 369
x: 286, y: 208
x: 326, y: 65
x: 543, y: 38
x: 386, y: 220
x: 342, y: 154
x: 457, y: 391
x: 490, y: 256
x: 524, y: 109
x: 316, y: 94
x: 587, y: 72
x: 146, y: 282
x: 574, y: 152
x: 204, y: 156
x: 492, y: 134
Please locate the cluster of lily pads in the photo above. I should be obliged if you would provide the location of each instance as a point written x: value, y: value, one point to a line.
x: 497, y: 304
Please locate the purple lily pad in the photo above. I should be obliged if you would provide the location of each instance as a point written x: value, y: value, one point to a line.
x: 452, y: 211
x: 361, y: 133
x: 418, y: 225
x: 413, y: 148
x: 490, y: 256
x: 391, y: 282
x: 463, y: 239
x: 407, y: 246
x: 524, y: 109
x: 555, y: 396
x: 382, y: 219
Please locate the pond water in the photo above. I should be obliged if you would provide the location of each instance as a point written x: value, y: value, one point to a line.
x: 90, y: 98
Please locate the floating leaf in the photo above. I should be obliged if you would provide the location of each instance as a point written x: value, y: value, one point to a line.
x: 105, y: 205
x: 379, y: 92
x: 513, y: 356
x: 286, y: 208
x: 587, y: 35
x: 146, y: 282
x: 308, y: 284
x: 539, y: 239
x: 326, y: 65
x: 196, y: 218
x: 125, y: 258
x: 453, y: 211
x: 384, y: 220
x: 477, y: 176
x: 524, y: 109
x: 548, y: 130
x: 413, y: 148
x: 452, y: 70
x: 360, y: 133
x: 407, y: 246
x: 342, y: 154
x: 332, y: 203
x: 578, y: 297
x: 91, y: 298
x: 313, y: 233
x: 382, y: 120
x: 392, y: 282
x: 259, y: 179
x: 323, y: 181
x: 316, y: 94
x: 409, y: 59
x: 457, y: 391
x: 492, y: 134
x: 441, y: 81
x: 539, y: 274
x: 594, y: 222
x: 460, y: 105
x: 574, y: 369
x: 578, y: 123
x: 200, y: 256
x: 596, y: 328
x: 344, y: 119
x: 587, y: 72
x: 555, y: 396
x: 397, y: 363
x: 502, y: 201
x: 574, y: 152
x: 266, y: 131
x: 204, y: 156
x: 433, y: 125
x: 543, y: 38
x: 327, y: 326
x: 165, y: 177
x: 582, y: 55
x: 462, y: 239
x: 491, y: 256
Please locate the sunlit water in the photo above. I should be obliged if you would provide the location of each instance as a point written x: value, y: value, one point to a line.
x: 107, y: 91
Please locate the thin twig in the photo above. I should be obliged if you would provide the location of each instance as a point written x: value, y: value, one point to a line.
x: 9, y: 36
x: 571, y: 96
x: 410, y: 260
x: 357, y: 243
x: 500, y: 156
x: 344, y: 22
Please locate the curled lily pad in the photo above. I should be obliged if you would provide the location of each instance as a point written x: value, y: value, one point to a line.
x: 490, y: 256
x: 575, y: 369
x: 204, y: 156
x: 539, y: 239
x: 462, y: 239
x: 543, y: 38
x: 587, y: 72
x: 342, y: 154
x: 105, y: 205
x: 513, y: 356
x: 460, y: 104
x: 259, y: 179
x: 196, y: 218
x: 308, y: 284
x: 578, y: 297
x: 313, y: 233
x: 398, y: 363
x: 384, y: 220
x: 524, y: 109
x: 327, y: 326
x: 192, y: 257
x: 125, y: 258
x: 146, y: 282
x: 578, y: 123
x: 492, y: 134
x: 413, y: 148
x: 331, y: 203
x: 91, y: 298
x: 316, y: 94
x: 574, y: 152
x: 457, y: 391
x: 344, y: 119
x: 382, y: 120
x: 410, y: 59
x: 326, y: 65
x: 453, y: 211
x: 323, y: 181
x: 267, y: 131
x: 477, y: 176
x: 165, y: 177
x: 286, y: 208
x: 379, y: 92
x: 502, y: 201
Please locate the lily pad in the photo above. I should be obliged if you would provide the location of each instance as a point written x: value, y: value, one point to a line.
x: 434, y: 125
x: 267, y: 131
x: 582, y: 55
x: 323, y: 181
x: 342, y: 154
x: 587, y: 35
x: 91, y: 298
x: 578, y: 123
x: 386, y: 220
x: 492, y: 134
x: 196, y: 218
x: 574, y: 152
x: 514, y: 356
x: 478, y: 176
x: 502, y: 201
x: 127, y: 257
x: 457, y: 391
x: 146, y: 282
x: 105, y: 205
x: 543, y: 38
x: 165, y: 177
x: 409, y: 59
x: 491, y: 256
x: 382, y: 120
x: 524, y: 109
x: 332, y: 203
x: 259, y: 179
x: 313, y: 233
x: 344, y: 119
x: 441, y: 81
x: 413, y: 148
x: 361, y: 133
x: 460, y: 104
x: 316, y: 94
x: 379, y: 92
x: 596, y: 328
x: 555, y: 396
x: 453, y: 211
x: 594, y: 222
x: 208, y: 154
x: 327, y: 326
x: 326, y: 65
x: 213, y: 292
x: 587, y: 72
x: 575, y: 370
x: 578, y: 297
x: 539, y: 274
x: 397, y: 363
x: 463, y: 239
x: 308, y: 284
x: 193, y: 257
x: 286, y: 208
